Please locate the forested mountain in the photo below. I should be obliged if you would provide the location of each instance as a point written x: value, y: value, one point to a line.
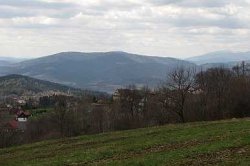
x: 98, y: 71
x: 23, y: 85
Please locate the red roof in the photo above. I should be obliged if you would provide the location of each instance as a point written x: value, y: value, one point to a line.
x: 13, y: 124
x: 22, y: 112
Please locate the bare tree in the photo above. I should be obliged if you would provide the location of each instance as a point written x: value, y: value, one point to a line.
x: 179, y: 85
x: 242, y: 69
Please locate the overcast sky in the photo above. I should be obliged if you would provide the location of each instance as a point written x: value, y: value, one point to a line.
x: 176, y: 28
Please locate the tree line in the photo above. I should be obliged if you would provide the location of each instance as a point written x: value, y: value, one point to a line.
x: 186, y: 95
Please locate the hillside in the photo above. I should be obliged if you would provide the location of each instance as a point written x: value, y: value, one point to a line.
x: 23, y: 85
x: 105, y: 71
x: 218, y: 57
x: 203, y: 143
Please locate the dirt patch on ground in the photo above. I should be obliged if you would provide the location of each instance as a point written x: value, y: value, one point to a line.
x: 149, y: 150
x: 218, y: 157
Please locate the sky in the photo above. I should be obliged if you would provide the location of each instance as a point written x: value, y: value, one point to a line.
x: 173, y: 28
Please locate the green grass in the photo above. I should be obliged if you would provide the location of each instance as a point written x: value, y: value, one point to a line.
x: 203, y: 143
x: 39, y: 111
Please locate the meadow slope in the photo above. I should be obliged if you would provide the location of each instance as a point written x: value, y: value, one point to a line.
x: 203, y: 143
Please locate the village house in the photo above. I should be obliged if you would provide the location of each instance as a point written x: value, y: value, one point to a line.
x: 19, y: 122
x: 119, y: 93
x: 116, y: 95
x: 22, y: 116
x: 21, y: 102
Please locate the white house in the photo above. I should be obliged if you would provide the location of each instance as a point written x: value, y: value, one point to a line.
x: 22, y: 116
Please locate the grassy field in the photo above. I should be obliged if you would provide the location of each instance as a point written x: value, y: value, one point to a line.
x: 203, y: 143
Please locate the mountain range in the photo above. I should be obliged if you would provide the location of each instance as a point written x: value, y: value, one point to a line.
x: 97, y: 71
x: 107, y: 71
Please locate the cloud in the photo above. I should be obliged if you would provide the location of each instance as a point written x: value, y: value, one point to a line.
x: 155, y: 27
x: 199, y: 3
x: 36, y: 4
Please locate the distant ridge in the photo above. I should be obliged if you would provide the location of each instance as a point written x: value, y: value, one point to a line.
x: 220, y: 57
x: 102, y: 71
